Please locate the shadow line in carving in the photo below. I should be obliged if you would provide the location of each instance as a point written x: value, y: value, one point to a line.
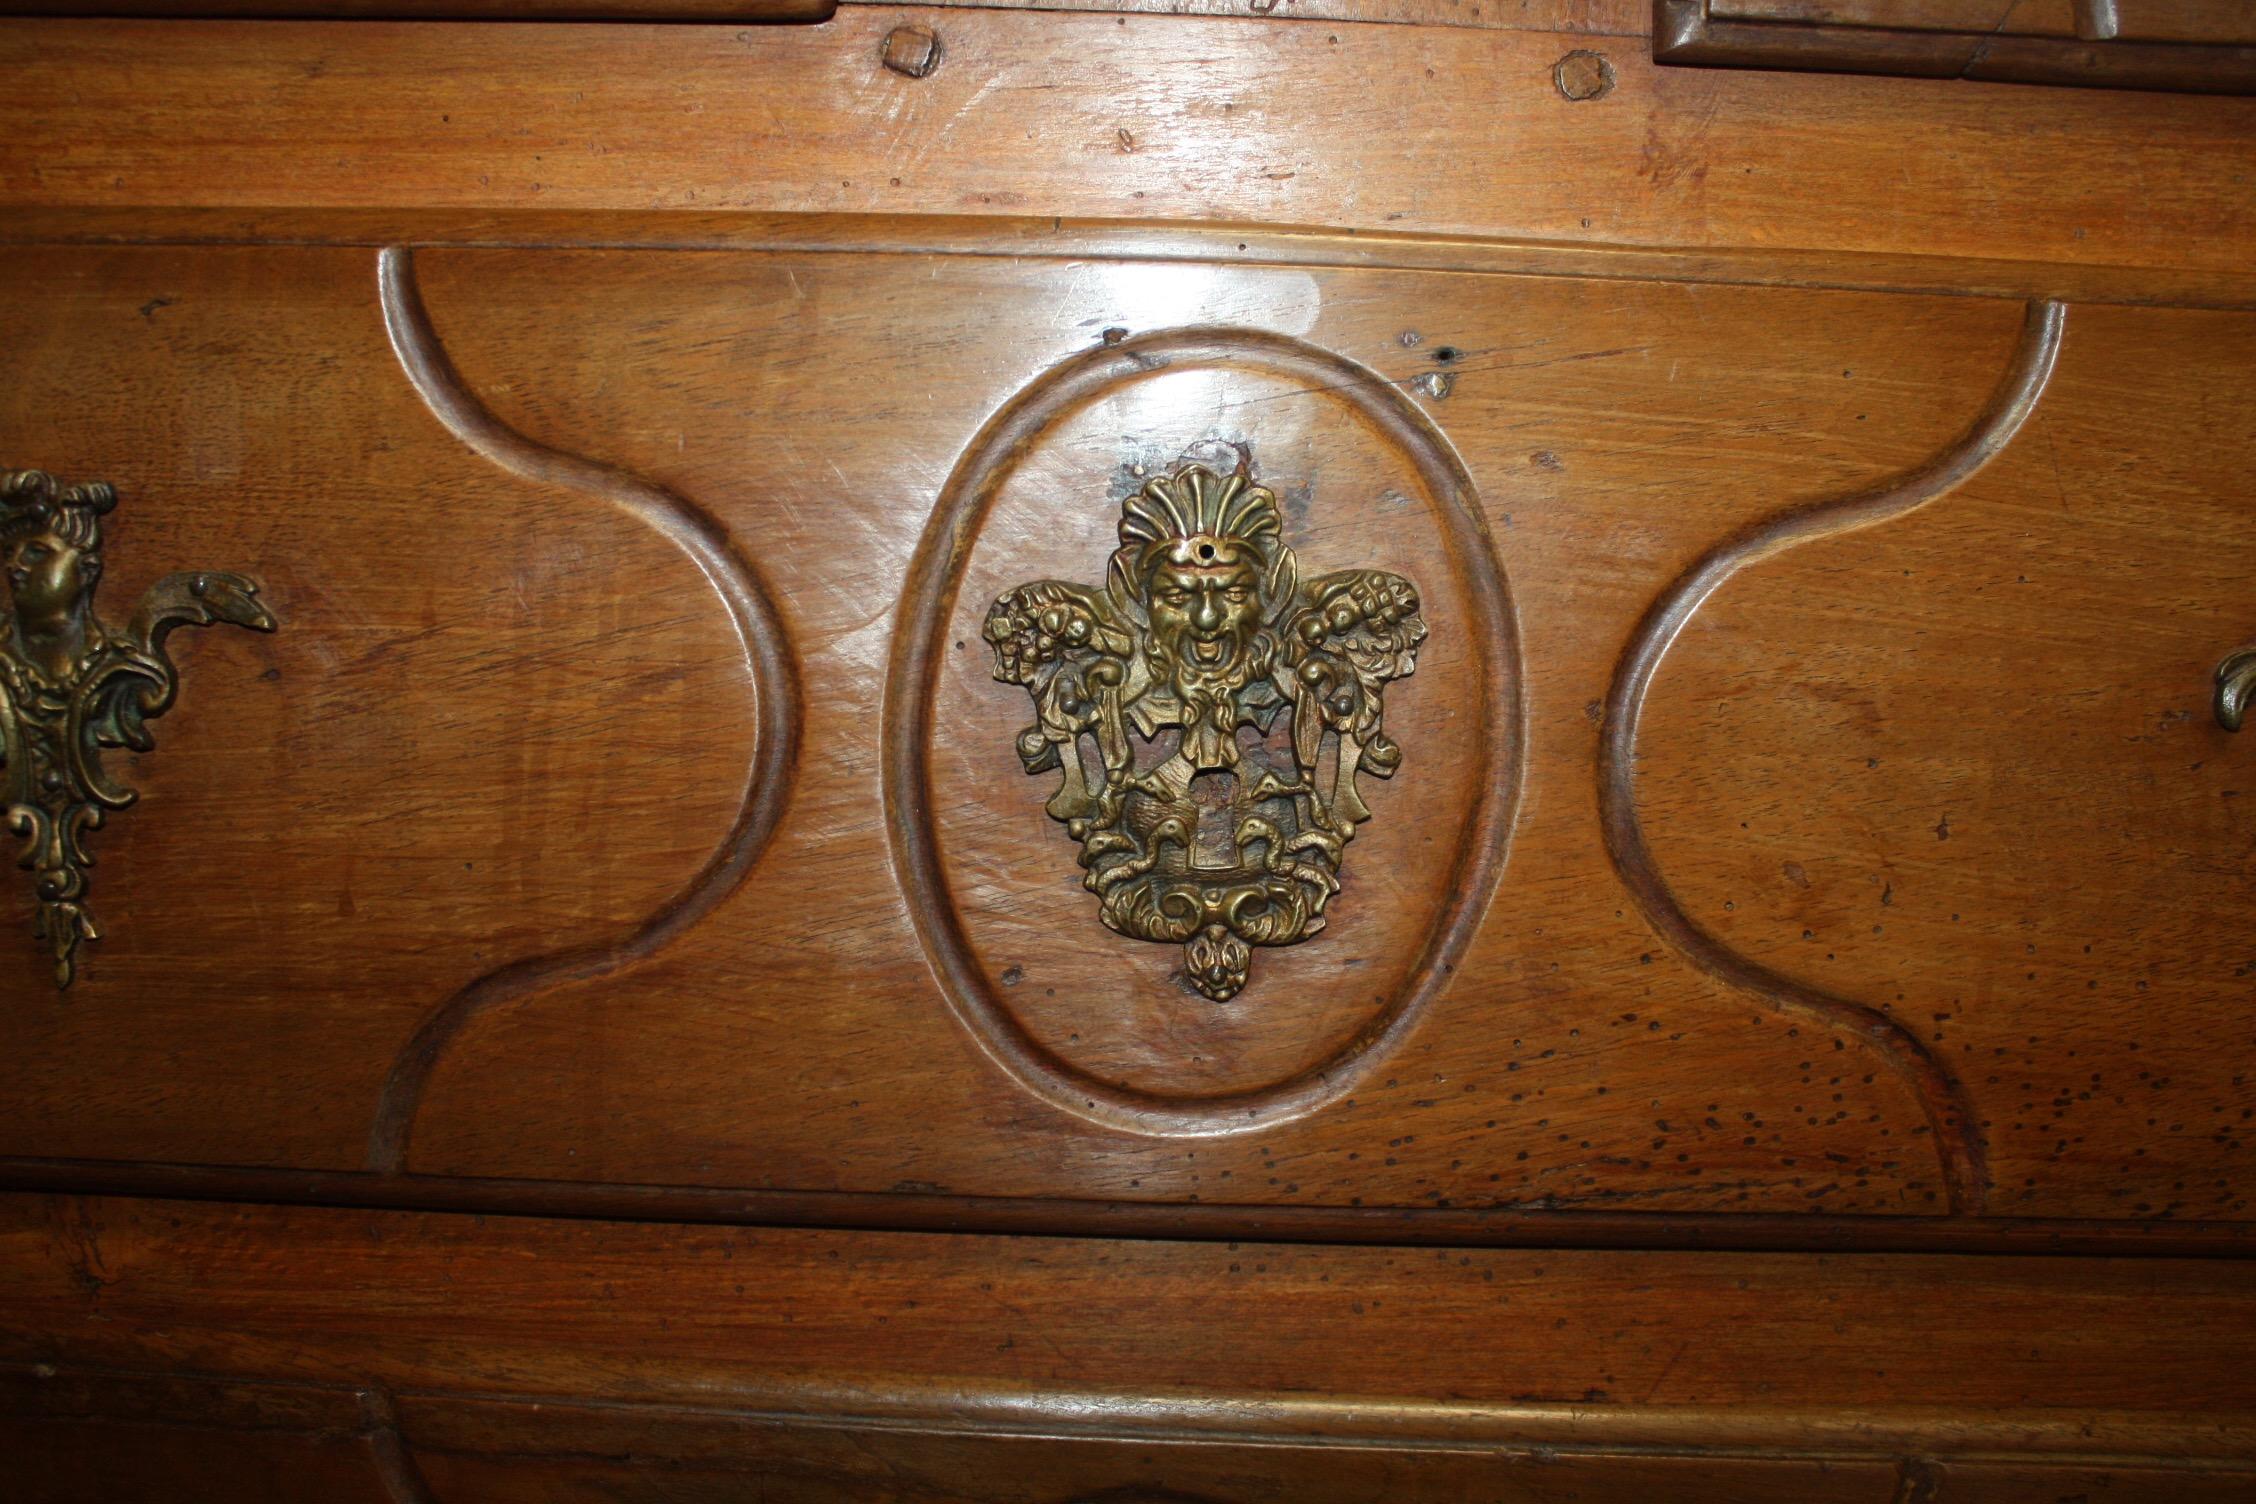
x: 928, y: 601
x: 1950, y: 1119
x: 758, y: 628
x: 402, y: 1480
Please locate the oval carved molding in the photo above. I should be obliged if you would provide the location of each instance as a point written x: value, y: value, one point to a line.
x: 1942, y: 1097
x: 928, y: 603
x: 759, y: 630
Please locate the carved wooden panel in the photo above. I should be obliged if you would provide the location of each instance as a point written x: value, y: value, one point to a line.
x: 2006, y: 811
x: 498, y: 691
x: 646, y: 774
x: 1127, y: 758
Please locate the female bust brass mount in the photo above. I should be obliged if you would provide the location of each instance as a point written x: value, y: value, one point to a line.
x: 1211, y: 838
x: 71, y: 685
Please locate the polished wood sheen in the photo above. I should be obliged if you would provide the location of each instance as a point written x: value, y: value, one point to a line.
x: 1843, y: 1099
x: 716, y: 12
x: 595, y: 1006
x: 861, y: 1366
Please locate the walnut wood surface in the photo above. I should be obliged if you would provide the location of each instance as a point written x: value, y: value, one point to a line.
x: 714, y: 12
x: 1444, y: 129
x: 914, y: 1367
x: 1827, y: 499
x: 1623, y: 18
x: 658, y: 1029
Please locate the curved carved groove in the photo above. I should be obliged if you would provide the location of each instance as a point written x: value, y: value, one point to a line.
x: 1958, y: 1140
x: 928, y: 598
x: 758, y: 629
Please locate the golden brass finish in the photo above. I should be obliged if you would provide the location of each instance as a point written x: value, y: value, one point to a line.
x: 71, y: 685
x: 2236, y: 682
x: 1221, y: 841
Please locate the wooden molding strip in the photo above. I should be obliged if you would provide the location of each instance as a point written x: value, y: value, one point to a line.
x: 919, y: 1211
x: 471, y: 119
x: 1962, y: 1357
x: 674, y: 1432
x: 1030, y: 238
x: 711, y: 12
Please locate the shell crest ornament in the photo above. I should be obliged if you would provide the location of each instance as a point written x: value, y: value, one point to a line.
x: 1155, y: 698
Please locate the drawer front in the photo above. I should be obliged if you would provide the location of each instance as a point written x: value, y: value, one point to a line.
x: 1731, y: 749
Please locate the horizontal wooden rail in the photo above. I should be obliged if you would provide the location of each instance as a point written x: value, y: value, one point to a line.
x: 919, y: 1211
x: 716, y: 12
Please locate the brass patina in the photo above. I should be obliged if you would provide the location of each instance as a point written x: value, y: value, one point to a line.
x: 1155, y: 696
x: 2236, y: 684
x: 72, y: 685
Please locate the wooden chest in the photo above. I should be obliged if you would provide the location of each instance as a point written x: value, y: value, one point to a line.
x: 1355, y: 751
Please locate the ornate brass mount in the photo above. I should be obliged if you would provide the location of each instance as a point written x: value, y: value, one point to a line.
x: 71, y: 685
x: 1223, y: 840
x: 2236, y: 682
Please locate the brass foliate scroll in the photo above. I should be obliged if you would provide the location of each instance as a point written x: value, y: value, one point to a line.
x: 72, y: 685
x: 1196, y: 825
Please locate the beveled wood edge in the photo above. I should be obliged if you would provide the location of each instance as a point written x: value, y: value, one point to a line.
x: 449, y: 1419
x: 1686, y: 34
x: 1044, y: 238
x: 1516, y: 1227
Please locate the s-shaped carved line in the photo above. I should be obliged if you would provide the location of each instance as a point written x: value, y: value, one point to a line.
x: 775, y: 689
x: 1958, y: 1140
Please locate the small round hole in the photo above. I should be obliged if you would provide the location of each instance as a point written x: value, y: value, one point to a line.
x: 1446, y: 354
x: 1206, y: 550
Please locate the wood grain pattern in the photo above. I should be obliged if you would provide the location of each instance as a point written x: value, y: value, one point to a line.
x: 714, y: 12
x: 1624, y: 18
x: 816, y: 1359
x: 1463, y: 132
x: 373, y: 798
x: 759, y: 634
x: 599, y: 1012
x: 1573, y: 1060
x: 875, y: 1022
x: 1141, y: 241
x: 117, y: 1434
x: 2089, y: 806
x: 1951, y: 1120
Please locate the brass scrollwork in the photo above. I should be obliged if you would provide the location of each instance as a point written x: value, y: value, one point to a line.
x: 1225, y: 840
x: 72, y: 685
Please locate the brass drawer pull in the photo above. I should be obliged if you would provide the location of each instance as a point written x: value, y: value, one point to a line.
x: 71, y: 684
x: 2236, y: 681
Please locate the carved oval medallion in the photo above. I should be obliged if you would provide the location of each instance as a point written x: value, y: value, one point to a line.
x: 1213, y: 624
